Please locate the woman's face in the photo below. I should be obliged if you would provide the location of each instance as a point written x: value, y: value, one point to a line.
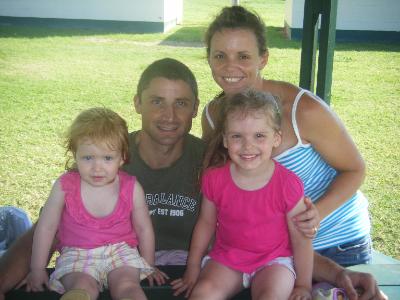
x: 235, y: 61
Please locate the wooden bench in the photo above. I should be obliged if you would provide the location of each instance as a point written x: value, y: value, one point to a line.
x: 385, y: 269
x: 163, y: 292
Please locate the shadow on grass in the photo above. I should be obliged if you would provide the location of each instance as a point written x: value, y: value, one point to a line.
x: 183, y: 36
x: 15, y: 31
x: 193, y: 36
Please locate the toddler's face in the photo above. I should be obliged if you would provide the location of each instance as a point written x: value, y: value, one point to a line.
x: 97, y: 164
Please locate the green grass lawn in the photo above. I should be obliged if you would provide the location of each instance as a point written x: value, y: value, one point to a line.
x: 47, y: 76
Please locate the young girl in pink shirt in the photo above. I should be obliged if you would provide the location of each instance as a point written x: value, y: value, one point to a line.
x: 99, y: 216
x: 248, y: 202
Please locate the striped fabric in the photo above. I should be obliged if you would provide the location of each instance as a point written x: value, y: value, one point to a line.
x: 98, y: 263
x: 345, y: 224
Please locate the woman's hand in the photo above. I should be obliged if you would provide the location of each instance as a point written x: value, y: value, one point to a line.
x: 307, y: 221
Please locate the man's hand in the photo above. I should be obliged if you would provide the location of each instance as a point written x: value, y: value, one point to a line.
x: 359, y: 286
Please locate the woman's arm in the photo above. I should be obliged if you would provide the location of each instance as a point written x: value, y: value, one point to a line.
x: 202, y: 234
x: 43, y: 238
x: 321, y: 127
x: 302, y: 255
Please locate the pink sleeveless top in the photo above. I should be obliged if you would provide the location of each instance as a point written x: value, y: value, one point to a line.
x: 251, y: 225
x: 78, y: 228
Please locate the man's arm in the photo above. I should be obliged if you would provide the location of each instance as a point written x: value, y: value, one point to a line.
x: 325, y: 269
x: 353, y: 282
x: 14, y: 264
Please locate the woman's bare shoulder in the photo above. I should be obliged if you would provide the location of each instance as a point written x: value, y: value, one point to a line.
x: 285, y: 91
x: 311, y: 113
x: 310, y: 104
x: 213, y: 106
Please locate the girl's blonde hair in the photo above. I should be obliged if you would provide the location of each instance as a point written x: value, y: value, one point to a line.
x: 246, y: 102
x: 99, y: 125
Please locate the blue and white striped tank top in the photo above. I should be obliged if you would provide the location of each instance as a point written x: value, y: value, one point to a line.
x: 347, y: 223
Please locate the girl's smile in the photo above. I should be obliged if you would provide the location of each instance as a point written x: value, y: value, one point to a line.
x: 250, y: 139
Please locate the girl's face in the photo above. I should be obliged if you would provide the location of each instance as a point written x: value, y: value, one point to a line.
x: 235, y: 61
x: 250, y: 139
x: 97, y: 164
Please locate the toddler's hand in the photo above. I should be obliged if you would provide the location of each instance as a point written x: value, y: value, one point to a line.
x: 300, y: 293
x: 158, y: 277
x: 36, y: 280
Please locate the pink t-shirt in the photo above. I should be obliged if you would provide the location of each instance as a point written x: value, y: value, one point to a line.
x: 251, y: 225
x: 78, y: 228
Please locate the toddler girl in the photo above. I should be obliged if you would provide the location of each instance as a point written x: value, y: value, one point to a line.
x: 99, y: 216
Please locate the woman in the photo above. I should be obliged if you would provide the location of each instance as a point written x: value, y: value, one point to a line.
x: 315, y: 144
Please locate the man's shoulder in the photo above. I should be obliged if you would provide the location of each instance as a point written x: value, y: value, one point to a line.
x: 195, y: 144
x: 218, y: 173
x: 192, y: 139
x: 132, y: 135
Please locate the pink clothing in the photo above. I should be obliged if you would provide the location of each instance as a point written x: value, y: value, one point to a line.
x: 251, y: 225
x: 78, y: 228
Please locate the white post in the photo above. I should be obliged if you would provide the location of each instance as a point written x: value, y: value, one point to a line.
x: 179, y: 8
x: 235, y: 2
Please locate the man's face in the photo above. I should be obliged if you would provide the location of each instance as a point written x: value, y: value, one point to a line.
x: 167, y: 108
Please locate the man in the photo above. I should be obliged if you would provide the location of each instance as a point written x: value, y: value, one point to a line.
x: 166, y: 158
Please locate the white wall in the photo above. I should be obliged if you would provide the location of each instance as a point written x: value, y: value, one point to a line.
x: 173, y: 9
x: 117, y: 10
x: 375, y: 15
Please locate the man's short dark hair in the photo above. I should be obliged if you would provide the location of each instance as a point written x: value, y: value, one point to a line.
x: 168, y: 68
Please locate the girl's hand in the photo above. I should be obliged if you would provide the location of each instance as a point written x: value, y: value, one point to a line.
x: 300, y: 293
x: 187, y: 282
x: 36, y: 279
x: 307, y: 222
x: 158, y: 277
